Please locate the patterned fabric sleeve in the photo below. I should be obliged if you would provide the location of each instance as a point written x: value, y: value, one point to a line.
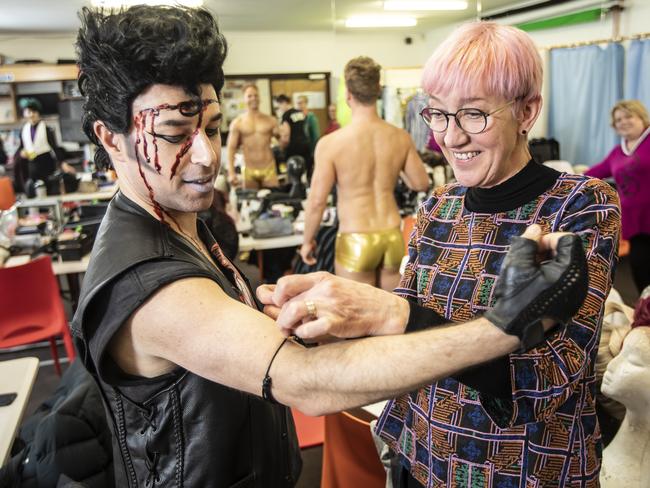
x: 545, y: 377
x: 407, y: 287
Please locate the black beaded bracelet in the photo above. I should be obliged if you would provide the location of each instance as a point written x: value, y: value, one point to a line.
x: 267, y: 382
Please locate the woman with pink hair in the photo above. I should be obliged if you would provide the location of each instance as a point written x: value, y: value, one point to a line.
x: 528, y: 418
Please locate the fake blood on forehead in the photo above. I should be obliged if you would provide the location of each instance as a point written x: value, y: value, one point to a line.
x: 140, y: 121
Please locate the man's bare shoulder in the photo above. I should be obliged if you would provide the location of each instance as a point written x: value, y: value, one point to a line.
x: 331, y: 140
x: 267, y: 118
x: 394, y: 131
x: 170, y: 299
x: 236, y: 122
x: 154, y: 322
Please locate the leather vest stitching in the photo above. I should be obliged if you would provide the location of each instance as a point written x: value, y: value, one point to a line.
x: 121, y: 435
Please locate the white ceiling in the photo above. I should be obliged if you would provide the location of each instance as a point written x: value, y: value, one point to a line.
x: 236, y: 15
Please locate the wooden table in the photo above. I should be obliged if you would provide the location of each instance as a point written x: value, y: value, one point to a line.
x: 73, y: 268
x: 249, y: 243
x: 16, y: 376
x: 57, y: 201
x: 58, y: 267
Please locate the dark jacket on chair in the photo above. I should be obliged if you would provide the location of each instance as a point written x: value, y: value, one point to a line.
x: 67, y: 438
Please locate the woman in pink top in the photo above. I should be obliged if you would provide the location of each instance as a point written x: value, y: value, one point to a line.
x: 629, y: 165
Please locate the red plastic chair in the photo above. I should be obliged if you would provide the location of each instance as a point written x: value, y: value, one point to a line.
x: 310, y: 430
x: 350, y: 459
x: 31, y: 308
x: 7, y: 195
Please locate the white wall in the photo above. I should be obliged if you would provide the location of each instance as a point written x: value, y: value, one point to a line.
x: 49, y: 48
x: 286, y: 52
x: 263, y: 52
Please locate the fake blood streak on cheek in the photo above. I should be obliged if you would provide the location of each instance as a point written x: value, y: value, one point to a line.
x: 143, y: 125
x: 140, y: 124
x: 187, y: 145
x: 155, y: 143
x: 139, y: 127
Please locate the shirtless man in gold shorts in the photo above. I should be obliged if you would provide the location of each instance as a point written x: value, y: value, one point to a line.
x: 364, y: 159
x: 252, y: 131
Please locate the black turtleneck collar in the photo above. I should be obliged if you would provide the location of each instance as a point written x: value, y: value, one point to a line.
x: 533, y: 180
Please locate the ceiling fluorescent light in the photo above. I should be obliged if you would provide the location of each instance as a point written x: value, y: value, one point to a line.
x: 380, y: 21
x: 415, y: 5
x: 130, y: 3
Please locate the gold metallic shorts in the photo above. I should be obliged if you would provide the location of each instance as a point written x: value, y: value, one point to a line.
x: 367, y: 251
x: 261, y: 176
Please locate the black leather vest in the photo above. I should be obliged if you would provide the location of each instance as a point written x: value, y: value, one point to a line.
x: 178, y: 429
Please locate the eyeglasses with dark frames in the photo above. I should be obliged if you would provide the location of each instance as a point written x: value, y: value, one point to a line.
x: 469, y: 120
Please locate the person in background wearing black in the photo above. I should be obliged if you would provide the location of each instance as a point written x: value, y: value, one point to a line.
x: 222, y: 225
x: 293, y: 133
x: 3, y: 154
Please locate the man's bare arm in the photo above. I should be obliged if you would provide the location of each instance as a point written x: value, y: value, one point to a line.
x: 414, y: 173
x: 192, y: 323
x: 322, y: 182
x: 234, y: 139
x: 230, y: 343
x: 276, y: 131
x: 285, y: 134
x: 353, y: 373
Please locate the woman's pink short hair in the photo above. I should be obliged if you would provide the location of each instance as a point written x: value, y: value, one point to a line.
x: 502, y: 60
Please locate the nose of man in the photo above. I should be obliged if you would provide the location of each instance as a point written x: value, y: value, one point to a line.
x: 204, y: 151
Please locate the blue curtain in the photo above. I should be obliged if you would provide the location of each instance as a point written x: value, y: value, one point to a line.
x: 637, y: 74
x: 585, y: 83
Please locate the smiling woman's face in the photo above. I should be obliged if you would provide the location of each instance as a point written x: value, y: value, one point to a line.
x: 486, y: 159
x: 628, y: 125
x: 172, y: 155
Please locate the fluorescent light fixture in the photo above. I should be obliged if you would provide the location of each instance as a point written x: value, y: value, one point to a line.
x: 380, y: 21
x: 415, y: 5
x: 130, y: 3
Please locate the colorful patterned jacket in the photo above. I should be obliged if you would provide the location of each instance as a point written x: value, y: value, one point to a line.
x: 543, y: 430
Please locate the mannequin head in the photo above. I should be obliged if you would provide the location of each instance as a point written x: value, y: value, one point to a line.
x: 627, y: 378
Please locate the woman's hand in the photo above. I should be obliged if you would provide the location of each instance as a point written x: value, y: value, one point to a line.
x: 321, y: 304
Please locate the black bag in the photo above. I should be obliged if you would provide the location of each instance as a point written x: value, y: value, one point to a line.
x: 325, y: 252
x: 544, y: 150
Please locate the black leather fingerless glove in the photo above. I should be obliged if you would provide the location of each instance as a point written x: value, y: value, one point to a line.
x: 527, y: 292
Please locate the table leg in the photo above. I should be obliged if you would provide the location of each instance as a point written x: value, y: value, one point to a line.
x: 73, y: 286
x: 260, y: 264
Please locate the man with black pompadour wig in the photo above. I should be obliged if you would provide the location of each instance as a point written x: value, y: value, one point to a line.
x: 151, y: 77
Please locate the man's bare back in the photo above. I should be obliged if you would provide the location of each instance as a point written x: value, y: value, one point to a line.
x: 368, y: 157
x: 364, y: 160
